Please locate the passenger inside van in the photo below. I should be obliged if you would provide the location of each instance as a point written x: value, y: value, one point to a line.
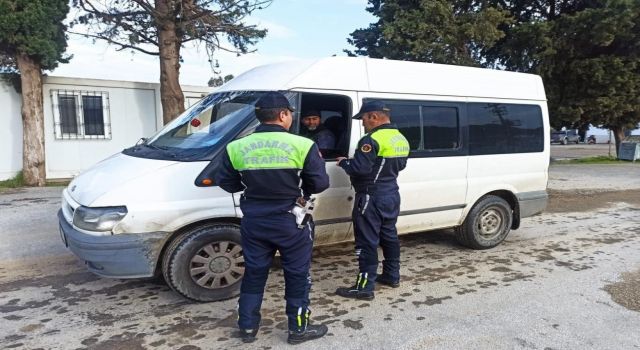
x: 326, y: 119
x: 313, y: 128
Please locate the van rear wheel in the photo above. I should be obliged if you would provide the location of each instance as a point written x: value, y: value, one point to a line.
x: 205, y: 263
x: 487, y: 224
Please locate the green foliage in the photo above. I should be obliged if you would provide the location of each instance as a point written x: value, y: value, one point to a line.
x: 439, y: 31
x: 34, y: 28
x: 587, y: 51
x: 12, y: 79
x: 593, y: 70
x: 135, y: 24
x: 219, y: 80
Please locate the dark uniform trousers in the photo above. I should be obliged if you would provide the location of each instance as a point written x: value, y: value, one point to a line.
x: 261, y: 238
x: 374, y: 220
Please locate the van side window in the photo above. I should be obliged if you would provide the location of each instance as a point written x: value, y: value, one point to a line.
x: 427, y: 128
x: 496, y: 128
x: 441, y: 127
x: 407, y: 119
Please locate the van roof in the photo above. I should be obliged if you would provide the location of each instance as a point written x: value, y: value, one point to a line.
x: 382, y: 75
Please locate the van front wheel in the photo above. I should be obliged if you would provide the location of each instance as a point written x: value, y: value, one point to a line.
x: 205, y: 263
x: 487, y: 224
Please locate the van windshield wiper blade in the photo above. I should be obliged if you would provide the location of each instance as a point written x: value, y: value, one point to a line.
x: 160, y: 148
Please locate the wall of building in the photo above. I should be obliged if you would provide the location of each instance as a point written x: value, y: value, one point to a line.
x: 134, y: 112
x: 131, y: 113
x: 11, y: 131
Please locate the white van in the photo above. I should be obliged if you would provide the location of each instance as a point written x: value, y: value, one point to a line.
x: 478, y: 163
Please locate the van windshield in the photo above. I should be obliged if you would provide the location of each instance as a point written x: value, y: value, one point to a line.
x: 195, y: 134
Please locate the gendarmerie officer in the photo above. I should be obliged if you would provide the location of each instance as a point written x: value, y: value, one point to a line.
x: 274, y: 169
x: 381, y: 154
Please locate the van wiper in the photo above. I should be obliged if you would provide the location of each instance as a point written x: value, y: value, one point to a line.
x: 160, y: 148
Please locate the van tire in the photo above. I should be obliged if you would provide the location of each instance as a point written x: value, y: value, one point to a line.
x: 487, y: 224
x: 178, y: 263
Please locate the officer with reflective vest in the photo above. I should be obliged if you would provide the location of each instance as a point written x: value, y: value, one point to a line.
x: 381, y: 154
x: 275, y: 170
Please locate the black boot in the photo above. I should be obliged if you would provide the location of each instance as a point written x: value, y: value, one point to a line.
x: 388, y: 281
x: 248, y: 335
x: 357, y: 291
x: 309, y: 333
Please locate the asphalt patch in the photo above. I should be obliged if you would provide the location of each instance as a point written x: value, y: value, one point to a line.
x: 627, y: 291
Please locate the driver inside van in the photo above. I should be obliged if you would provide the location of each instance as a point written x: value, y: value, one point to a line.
x: 312, y: 128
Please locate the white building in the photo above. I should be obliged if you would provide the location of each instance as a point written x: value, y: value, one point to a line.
x: 86, y: 120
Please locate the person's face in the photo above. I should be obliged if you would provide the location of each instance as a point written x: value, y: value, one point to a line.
x: 311, y: 122
x: 369, y: 121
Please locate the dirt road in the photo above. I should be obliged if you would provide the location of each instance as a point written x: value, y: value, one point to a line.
x: 567, y: 279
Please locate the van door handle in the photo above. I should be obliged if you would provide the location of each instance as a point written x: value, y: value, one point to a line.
x: 350, y: 198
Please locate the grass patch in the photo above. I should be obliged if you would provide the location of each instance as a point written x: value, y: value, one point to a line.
x: 593, y: 160
x: 16, y: 181
x: 58, y: 183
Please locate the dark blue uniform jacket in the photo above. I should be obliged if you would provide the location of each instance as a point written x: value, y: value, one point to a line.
x: 370, y: 173
x: 273, y: 191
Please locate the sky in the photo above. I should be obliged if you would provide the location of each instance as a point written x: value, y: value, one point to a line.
x: 297, y: 29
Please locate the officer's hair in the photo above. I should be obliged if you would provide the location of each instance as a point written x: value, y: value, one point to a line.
x: 268, y: 114
x: 384, y: 113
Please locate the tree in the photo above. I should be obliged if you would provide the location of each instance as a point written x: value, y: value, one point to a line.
x: 32, y: 39
x: 588, y: 54
x: 164, y: 27
x: 438, y: 31
x: 587, y: 51
x: 219, y: 80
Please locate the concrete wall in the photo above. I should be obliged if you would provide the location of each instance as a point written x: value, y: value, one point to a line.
x: 10, y: 132
x: 135, y: 111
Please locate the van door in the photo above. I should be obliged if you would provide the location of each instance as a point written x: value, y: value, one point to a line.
x: 332, y: 213
x: 433, y: 186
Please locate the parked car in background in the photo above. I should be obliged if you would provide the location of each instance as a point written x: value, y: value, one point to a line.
x: 565, y: 136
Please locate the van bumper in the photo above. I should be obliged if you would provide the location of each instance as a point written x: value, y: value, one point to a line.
x: 116, y: 256
x: 532, y: 203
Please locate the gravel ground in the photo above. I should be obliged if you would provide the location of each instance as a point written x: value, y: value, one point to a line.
x: 594, y: 177
x: 581, y: 151
x: 567, y: 279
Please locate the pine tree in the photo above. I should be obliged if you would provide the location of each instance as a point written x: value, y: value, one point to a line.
x: 32, y: 39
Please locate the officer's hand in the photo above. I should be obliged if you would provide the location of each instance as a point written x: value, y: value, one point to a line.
x: 340, y: 159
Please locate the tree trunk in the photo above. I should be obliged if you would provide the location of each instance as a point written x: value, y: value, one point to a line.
x: 32, y: 121
x: 169, y: 46
x: 618, y: 134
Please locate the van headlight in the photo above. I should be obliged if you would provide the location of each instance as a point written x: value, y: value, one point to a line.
x: 98, y: 219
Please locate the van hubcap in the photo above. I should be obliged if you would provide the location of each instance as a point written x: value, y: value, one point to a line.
x: 217, y: 265
x: 490, y: 223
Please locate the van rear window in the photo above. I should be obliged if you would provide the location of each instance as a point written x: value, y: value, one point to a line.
x: 497, y: 128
